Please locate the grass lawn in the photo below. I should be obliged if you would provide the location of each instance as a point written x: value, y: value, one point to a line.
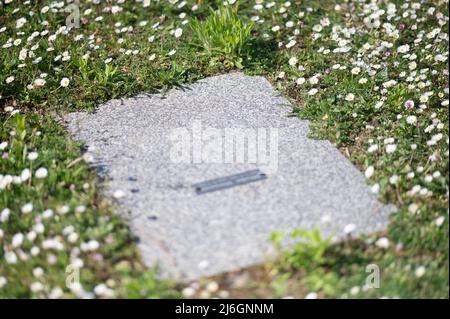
x: 371, y: 77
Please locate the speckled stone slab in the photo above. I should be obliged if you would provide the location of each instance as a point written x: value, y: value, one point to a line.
x: 136, y: 145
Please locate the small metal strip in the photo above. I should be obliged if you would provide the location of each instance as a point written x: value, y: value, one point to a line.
x: 229, y: 181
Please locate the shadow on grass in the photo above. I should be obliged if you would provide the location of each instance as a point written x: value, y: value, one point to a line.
x: 262, y: 56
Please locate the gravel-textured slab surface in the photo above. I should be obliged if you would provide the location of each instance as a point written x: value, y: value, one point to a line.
x: 193, y: 235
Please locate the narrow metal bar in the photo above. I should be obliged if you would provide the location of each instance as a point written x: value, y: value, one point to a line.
x: 229, y: 181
